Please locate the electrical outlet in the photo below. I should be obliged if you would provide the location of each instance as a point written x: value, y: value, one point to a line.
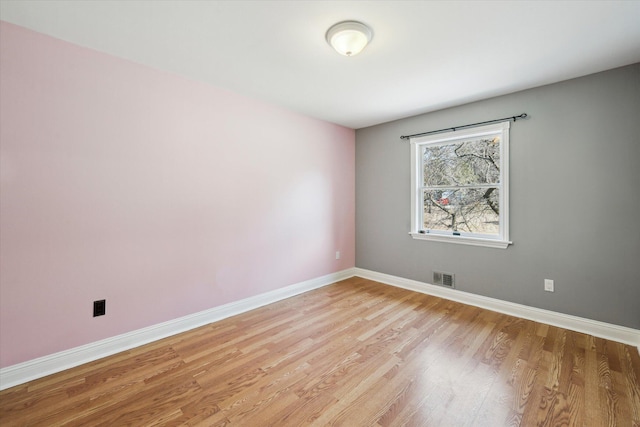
x: 337, y: 254
x: 548, y: 285
x: 99, y: 308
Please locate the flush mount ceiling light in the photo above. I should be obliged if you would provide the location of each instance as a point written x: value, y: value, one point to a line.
x: 348, y: 38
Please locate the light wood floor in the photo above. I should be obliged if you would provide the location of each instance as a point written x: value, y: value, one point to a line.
x: 356, y: 353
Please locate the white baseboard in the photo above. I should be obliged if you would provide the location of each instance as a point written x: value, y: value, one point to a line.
x: 46, y: 365
x: 592, y: 327
x: 50, y: 364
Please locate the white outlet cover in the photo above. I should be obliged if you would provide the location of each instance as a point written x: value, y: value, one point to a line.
x: 548, y: 285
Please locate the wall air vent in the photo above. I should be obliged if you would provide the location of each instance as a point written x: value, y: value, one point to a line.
x: 443, y: 279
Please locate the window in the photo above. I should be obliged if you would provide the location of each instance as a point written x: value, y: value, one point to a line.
x: 460, y: 186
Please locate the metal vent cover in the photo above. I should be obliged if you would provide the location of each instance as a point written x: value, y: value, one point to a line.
x: 444, y: 279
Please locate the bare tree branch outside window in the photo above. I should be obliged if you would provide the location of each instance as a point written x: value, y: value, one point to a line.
x: 461, y: 186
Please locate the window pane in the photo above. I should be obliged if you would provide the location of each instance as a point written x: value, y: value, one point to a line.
x: 469, y: 162
x: 473, y: 210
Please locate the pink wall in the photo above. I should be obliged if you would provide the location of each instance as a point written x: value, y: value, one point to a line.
x: 163, y: 195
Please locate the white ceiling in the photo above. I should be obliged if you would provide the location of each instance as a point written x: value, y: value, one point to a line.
x: 424, y: 56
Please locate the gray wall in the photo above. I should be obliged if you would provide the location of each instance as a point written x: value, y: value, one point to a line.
x: 574, y: 200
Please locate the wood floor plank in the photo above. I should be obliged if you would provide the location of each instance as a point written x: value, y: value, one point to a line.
x: 356, y: 353
x: 629, y: 361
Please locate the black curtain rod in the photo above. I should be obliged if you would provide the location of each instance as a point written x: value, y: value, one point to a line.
x: 455, y: 128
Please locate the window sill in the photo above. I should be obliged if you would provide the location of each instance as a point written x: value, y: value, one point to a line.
x: 489, y: 243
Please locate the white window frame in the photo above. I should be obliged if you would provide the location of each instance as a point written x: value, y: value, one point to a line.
x: 417, y: 200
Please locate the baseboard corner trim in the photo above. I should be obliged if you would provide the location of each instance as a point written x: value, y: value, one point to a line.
x: 596, y: 328
x: 30, y: 370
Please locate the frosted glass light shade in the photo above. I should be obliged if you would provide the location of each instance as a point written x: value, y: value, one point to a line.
x: 348, y: 38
